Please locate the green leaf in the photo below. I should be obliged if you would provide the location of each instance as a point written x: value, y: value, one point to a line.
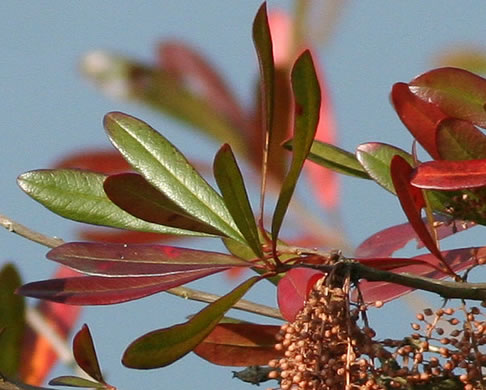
x: 163, y: 166
x: 376, y: 158
x: 307, y: 97
x: 164, y: 346
x: 262, y: 40
x: 128, y: 79
x: 74, y: 381
x: 79, y: 195
x: 230, y: 182
x: 11, y: 319
x: 332, y: 157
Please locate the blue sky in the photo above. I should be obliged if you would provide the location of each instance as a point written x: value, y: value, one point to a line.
x: 48, y: 110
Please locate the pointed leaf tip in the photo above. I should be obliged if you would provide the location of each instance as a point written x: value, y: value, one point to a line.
x: 85, y: 354
x: 230, y: 182
x: 307, y: 98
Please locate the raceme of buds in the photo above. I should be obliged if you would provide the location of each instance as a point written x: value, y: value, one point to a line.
x: 324, y: 348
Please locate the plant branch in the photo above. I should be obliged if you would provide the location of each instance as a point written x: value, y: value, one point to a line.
x: 444, y: 288
x: 242, y: 304
x: 29, y: 234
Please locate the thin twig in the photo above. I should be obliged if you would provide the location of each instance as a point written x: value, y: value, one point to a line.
x: 184, y: 292
x: 29, y: 234
x: 242, y: 304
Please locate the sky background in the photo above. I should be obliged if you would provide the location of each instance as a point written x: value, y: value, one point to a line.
x: 48, y: 110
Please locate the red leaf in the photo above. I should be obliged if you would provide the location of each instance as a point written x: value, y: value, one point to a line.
x: 450, y: 175
x: 240, y: 345
x: 418, y: 116
x: 389, y: 240
x: 293, y: 289
x: 411, y: 200
x: 107, y: 161
x: 199, y: 76
x: 38, y: 356
x: 139, y: 260
x: 97, y: 290
x: 457, y: 260
x: 85, y: 354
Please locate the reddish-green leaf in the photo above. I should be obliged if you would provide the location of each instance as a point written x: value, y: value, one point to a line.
x: 132, y: 193
x: 98, y: 290
x: 293, y: 289
x: 457, y: 92
x: 460, y: 140
x: 307, y: 100
x: 450, y: 175
x: 164, y: 346
x: 412, y: 201
x: 85, y: 354
x: 139, y: 260
x: 230, y: 182
x: 239, y: 344
x: 11, y: 320
x: 164, y: 166
x: 74, y: 381
x: 419, y: 116
x: 375, y: 157
x: 262, y: 40
x: 79, y: 195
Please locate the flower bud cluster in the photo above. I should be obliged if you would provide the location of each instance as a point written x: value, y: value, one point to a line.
x: 448, y: 343
x: 324, y: 349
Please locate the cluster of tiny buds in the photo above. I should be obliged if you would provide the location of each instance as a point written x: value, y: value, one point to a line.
x: 447, y: 343
x: 324, y: 349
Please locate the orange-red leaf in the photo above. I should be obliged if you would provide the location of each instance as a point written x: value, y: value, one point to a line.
x: 239, y: 344
x: 419, y: 116
x: 38, y: 356
x: 450, y: 175
x: 412, y: 201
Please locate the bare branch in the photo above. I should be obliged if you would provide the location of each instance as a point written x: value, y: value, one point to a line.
x: 29, y: 234
x: 248, y: 306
